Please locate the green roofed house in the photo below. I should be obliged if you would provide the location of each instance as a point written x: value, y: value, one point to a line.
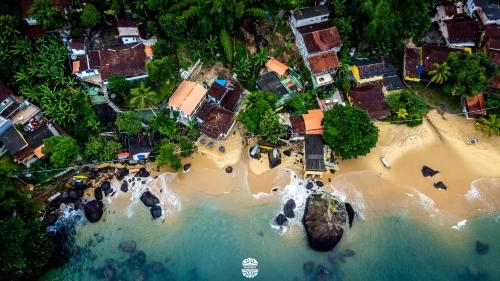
x: 280, y: 80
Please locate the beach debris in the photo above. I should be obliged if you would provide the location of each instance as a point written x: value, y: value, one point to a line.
x: 203, y: 141
x: 255, y: 152
x: 308, y: 267
x: 288, y: 208
x: 93, y: 210
x: 124, y: 186
x: 440, y: 185
x: 156, y: 211
x: 481, y: 248
x: 350, y: 212
x: 287, y: 153
x: 143, y: 173
x: 222, y: 149
x: 149, y: 199
x: 281, y: 219
x: 210, y: 144
x: 128, y: 246
x: 471, y: 141
x: 384, y: 161
x: 325, y: 217
x: 428, y: 172
x: 157, y: 267
x: 229, y: 169
x: 186, y: 167
x: 320, y: 183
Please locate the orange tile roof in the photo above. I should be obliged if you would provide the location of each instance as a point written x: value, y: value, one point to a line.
x: 149, y: 51
x: 312, y: 121
x: 187, y: 96
x: 276, y: 66
x: 38, y: 151
x: 324, y: 62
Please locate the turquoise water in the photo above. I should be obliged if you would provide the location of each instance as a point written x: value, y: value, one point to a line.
x: 208, y: 242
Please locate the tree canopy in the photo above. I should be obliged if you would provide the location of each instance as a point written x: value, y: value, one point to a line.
x: 408, y: 106
x: 129, y: 123
x: 45, y: 13
x: 100, y: 149
x: 258, y: 103
x: 349, y: 131
x: 61, y: 149
x: 271, y: 128
x: 90, y: 15
x: 470, y: 74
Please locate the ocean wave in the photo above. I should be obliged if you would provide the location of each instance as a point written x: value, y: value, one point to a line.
x: 459, y: 225
x: 426, y: 201
x: 477, y: 190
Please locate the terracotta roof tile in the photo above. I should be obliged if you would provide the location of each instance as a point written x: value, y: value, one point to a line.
x: 312, y: 122
x: 276, y: 66
x: 475, y: 105
x: 324, y: 62
x: 216, y: 120
x: 125, y: 60
x: 187, y: 96
x: 371, y: 99
x: 322, y: 40
x: 462, y: 30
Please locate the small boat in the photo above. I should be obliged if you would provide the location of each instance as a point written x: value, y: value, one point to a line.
x: 385, y: 162
x: 472, y: 141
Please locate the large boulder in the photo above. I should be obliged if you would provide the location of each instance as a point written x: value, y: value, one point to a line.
x: 281, y: 219
x: 428, y: 172
x: 481, y: 248
x: 124, y: 186
x: 350, y: 213
x: 288, y: 208
x: 324, y: 220
x: 105, y: 185
x: 121, y: 174
x: 93, y: 210
x: 128, y: 246
x: 149, y: 199
x: 137, y: 258
x: 143, y: 173
x: 155, y: 211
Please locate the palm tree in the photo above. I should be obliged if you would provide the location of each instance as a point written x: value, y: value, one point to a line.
x: 142, y: 96
x: 243, y: 67
x: 440, y: 74
x: 212, y: 43
x: 489, y: 125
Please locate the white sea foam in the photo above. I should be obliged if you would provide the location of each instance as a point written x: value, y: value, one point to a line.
x: 261, y: 195
x: 354, y: 196
x: 426, y: 201
x: 459, y: 225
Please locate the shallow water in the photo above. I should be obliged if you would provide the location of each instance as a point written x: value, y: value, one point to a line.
x: 208, y: 241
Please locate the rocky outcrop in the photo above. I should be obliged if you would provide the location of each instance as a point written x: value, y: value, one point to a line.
x: 288, y: 208
x: 324, y: 220
x: 229, y: 169
x: 481, y: 248
x: 186, y: 167
x: 124, y: 186
x: 156, y: 211
x: 350, y: 213
x: 149, y: 199
x: 93, y: 210
x: 428, y: 172
x: 143, y: 173
x: 281, y: 219
x: 122, y: 173
x: 440, y: 185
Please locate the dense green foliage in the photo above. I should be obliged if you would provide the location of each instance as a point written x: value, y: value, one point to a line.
x: 128, y: 123
x: 470, y: 74
x: 271, y: 128
x: 258, y: 103
x: 302, y: 102
x: 100, y: 149
x: 25, y: 249
x: 489, y: 125
x: 161, y: 69
x: 168, y: 155
x: 493, y: 104
x: 227, y: 45
x: 61, y: 150
x: 408, y: 107
x: 90, y: 16
x: 349, y: 131
x: 45, y: 13
x: 142, y: 96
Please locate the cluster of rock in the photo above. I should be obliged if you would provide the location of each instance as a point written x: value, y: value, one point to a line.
x: 134, y: 267
x: 151, y: 201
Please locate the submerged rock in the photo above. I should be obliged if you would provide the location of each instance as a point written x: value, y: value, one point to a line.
x: 481, y: 248
x: 440, y: 185
x: 128, y: 246
x: 124, y: 186
x: 288, y: 208
x: 322, y: 273
x: 428, y: 172
x: 156, y: 211
x: 350, y: 213
x: 149, y: 199
x: 143, y: 173
x: 157, y: 267
x: 308, y: 267
x: 324, y: 220
x: 93, y: 210
x: 281, y: 219
x: 137, y: 258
